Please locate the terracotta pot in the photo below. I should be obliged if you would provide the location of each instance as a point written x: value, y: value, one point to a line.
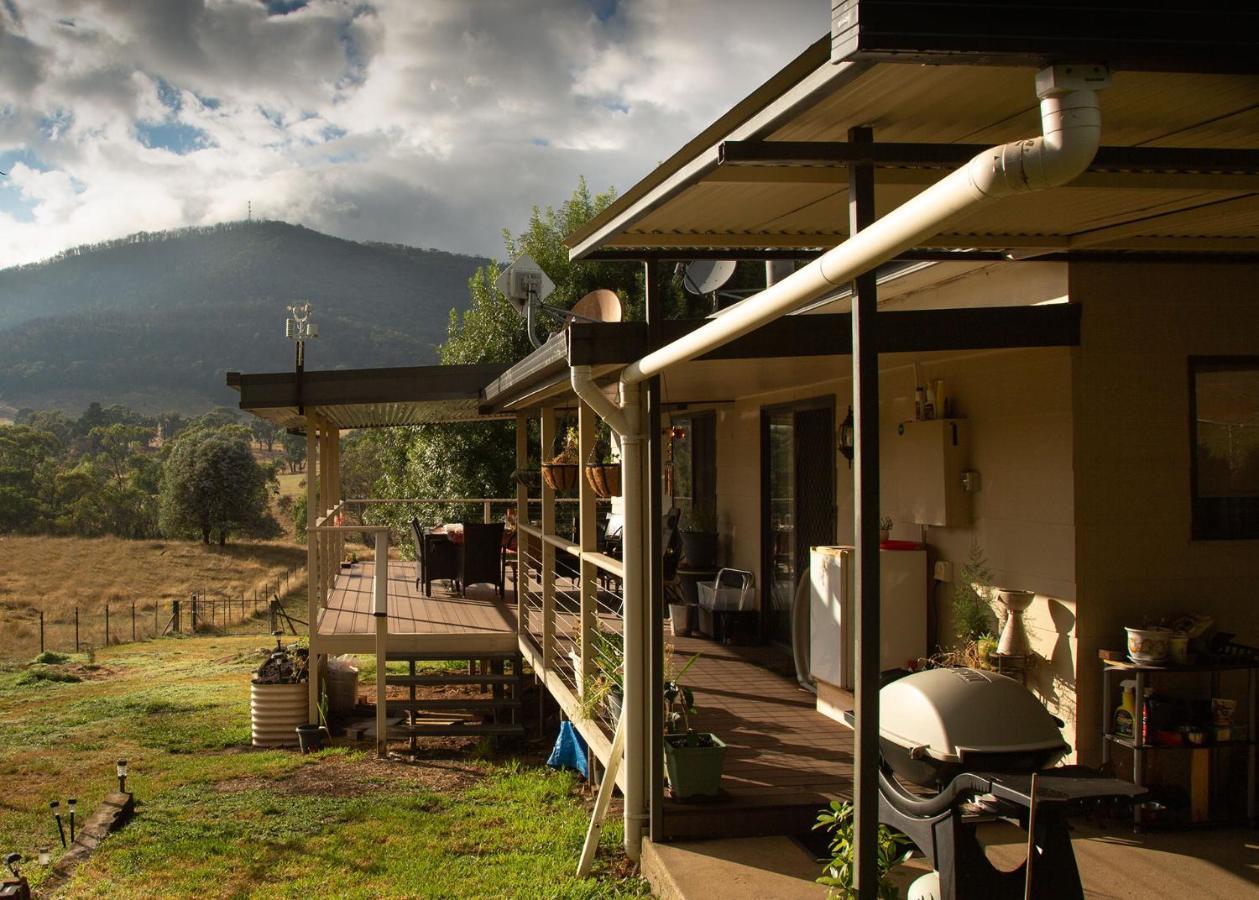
x: 604, y: 479
x: 560, y: 476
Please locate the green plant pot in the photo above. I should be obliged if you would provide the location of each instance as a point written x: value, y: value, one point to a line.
x: 694, y: 771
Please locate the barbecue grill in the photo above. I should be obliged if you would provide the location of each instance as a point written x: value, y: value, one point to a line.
x: 980, y: 741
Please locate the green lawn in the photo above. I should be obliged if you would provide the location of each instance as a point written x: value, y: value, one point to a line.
x: 217, y: 819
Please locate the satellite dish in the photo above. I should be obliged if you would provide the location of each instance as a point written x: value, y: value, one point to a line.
x: 600, y: 305
x: 703, y: 276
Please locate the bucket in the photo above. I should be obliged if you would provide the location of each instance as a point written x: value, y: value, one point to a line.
x: 276, y: 710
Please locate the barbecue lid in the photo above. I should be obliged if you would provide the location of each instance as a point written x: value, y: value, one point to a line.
x: 945, y: 714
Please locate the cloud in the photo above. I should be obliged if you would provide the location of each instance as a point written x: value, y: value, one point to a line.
x: 434, y: 123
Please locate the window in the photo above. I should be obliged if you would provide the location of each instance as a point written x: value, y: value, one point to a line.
x: 1224, y: 413
x: 695, y: 469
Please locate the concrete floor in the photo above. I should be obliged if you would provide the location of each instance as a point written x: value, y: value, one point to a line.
x: 1115, y: 864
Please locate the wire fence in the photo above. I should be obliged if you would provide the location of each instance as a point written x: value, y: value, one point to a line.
x: 78, y: 629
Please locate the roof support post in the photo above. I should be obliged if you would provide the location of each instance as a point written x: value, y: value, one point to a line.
x: 654, y: 488
x: 587, y: 536
x: 522, y: 518
x: 865, y: 387
x: 548, y: 549
x: 312, y: 567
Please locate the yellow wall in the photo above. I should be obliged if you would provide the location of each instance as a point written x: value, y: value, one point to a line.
x: 1135, y: 559
x: 1018, y: 409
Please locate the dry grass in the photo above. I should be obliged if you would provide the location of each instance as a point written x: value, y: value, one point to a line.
x: 58, y: 574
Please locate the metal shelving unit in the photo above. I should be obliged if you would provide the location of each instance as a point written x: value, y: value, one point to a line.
x: 1143, y: 674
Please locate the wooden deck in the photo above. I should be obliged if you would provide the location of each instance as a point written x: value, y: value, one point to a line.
x: 442, y: 623
x: 784, y: 760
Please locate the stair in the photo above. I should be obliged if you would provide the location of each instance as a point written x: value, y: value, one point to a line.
x: 493, y: 710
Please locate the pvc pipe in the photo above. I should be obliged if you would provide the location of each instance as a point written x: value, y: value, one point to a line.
x: 1071, y: 126
x: 626, y: 419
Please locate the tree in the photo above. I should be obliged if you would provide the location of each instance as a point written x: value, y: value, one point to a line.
x: 27, y: 458
x: 294, y: 446
x: 476, y: 459
x: 213, y: 487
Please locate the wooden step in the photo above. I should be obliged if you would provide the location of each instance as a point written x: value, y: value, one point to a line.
x: 471, y: 705
x: 450, y: 679
x: 454, y: 730
x: 451, y: 656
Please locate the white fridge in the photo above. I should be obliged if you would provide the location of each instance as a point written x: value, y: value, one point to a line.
x: 903, y: 617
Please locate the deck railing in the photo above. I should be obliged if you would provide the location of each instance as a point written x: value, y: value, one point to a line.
x: 572, y: 665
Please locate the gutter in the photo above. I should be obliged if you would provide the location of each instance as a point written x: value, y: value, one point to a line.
x: 626, y: 418
x: 1071, y: 133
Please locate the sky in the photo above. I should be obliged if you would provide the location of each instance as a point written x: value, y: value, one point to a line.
x: 435, y: 123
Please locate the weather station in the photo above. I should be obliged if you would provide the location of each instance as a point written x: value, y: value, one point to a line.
x: 299, y: 329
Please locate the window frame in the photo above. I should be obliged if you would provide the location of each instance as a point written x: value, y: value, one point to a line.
x: 1200, y: 530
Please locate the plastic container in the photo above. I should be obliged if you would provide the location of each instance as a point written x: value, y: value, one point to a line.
x: 734, y: 590
x: 342, y: 686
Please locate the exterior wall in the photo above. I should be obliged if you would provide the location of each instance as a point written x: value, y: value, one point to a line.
x: 1018, y: 410
x: 1135, y: 559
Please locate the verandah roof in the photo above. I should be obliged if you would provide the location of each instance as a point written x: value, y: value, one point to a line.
x: 1149, y: 189
x: 368, y: 398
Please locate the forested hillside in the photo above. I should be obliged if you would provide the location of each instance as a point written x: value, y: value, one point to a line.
x: 155, y: 320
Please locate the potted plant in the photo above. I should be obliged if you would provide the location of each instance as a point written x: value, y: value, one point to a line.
x: 972, y: 614
x: 277, y: 696
x: 699, y: 538
x: 603, y: 473
x: 560, y: 473
x: 894, y: 849
x: 692, y: 760
x: 885, y: 529
x: 529, y: 478
x: 310, y: 738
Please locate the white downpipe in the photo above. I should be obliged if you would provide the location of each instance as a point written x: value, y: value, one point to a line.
x: 1071, y: 125
x: 626, y: 420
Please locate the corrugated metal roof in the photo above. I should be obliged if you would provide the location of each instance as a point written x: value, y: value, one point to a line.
x: 719, y: 207
x: 369, y: 398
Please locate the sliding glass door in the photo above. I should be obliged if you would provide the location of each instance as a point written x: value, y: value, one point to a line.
x: 797, y: 502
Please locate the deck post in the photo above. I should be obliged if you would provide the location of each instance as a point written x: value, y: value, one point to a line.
x: 654, y: 595
x: 866, y: 603
x: 313, y: 581
x: 588, y: 539
x: 548, y: 550
x: 522, y: 518
x: 334, y: 495
x: 380, y: 610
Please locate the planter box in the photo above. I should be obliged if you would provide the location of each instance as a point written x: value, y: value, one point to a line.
x: 275, y: 711
x: 694, y: 771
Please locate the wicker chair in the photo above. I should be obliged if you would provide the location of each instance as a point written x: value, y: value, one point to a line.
x: 481, y: 559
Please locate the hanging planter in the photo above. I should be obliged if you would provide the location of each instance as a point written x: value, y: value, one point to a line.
x: 530, y: 479
x: 560, y: 476
x: 604, y: 479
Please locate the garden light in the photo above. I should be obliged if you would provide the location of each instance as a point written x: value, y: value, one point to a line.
x: 71, y: 803
x: 122, y: 776
x: 56, y: 814
x: 45, y: 856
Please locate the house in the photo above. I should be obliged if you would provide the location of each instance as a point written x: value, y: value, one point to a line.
x: 1085, y: 292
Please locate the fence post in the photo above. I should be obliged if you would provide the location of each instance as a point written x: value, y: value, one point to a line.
x: 174, y: 616
x: 192, y: 625
x: 133, y: 621
x: 156, y: 622
x: 106, y: 624
x: 76, y: 629
x: 41, y: 631
x: 486, y: 512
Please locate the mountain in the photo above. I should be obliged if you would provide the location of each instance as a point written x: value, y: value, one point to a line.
x: 155, y: 320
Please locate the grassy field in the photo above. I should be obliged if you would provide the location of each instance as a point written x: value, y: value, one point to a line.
x: 57, y: 574
x: 218, y: 819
